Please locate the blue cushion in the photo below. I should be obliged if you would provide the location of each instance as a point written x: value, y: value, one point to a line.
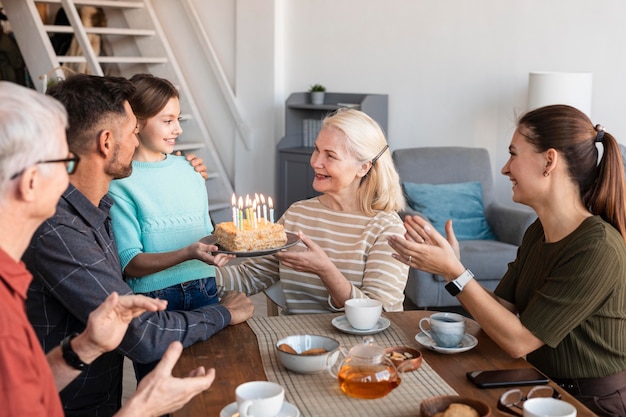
x: 461, y: 202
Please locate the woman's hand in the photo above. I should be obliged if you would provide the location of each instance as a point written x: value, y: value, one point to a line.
x: 416, y: 231
x: 426, y: 249
x: 313, y: 259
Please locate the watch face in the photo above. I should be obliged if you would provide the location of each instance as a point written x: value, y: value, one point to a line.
x: 452, y: 289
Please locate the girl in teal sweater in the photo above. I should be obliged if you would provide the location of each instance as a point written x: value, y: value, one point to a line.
x: 161, y: 211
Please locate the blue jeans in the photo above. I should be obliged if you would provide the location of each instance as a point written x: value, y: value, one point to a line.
x: 185, y: 296
x: 188, y: 295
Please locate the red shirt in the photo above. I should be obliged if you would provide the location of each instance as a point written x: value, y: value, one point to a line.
x: 27, y: 387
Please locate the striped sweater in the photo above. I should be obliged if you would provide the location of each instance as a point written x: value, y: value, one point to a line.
x: 354, y: 242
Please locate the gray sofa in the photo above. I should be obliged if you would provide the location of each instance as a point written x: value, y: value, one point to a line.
x: 487, y: 259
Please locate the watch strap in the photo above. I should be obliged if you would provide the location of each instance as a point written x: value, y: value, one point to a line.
x: 455, y: 286
x: 70, y: 357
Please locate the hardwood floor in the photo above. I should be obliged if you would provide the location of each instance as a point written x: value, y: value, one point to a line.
x: 130, y: 383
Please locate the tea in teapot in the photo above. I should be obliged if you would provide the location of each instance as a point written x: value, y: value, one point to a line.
x: 364, y: 371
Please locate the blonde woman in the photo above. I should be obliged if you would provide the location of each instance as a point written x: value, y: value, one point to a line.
x: 343, y: 251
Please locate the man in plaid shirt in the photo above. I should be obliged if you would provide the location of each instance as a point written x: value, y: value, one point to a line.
x: 74, y: 259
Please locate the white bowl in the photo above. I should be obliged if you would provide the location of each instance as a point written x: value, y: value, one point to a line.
x: 306, y: 364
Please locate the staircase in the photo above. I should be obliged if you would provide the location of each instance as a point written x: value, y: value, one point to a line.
x: 134, y: 42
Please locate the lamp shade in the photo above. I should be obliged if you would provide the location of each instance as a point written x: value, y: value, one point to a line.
x: 571, y: 88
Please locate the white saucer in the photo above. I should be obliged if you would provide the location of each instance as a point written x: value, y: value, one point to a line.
x: 341, y: 323
x: 288, y: 410
x: 467, y: 343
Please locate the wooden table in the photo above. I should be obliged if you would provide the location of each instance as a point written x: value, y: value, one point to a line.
x: 234, y: 354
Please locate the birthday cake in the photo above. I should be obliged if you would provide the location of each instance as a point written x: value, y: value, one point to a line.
x: 248, y: 238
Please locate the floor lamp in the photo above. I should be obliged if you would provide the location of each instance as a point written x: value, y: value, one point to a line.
x: 571, y: 88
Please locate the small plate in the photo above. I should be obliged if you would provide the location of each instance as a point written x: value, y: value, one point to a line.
x: 341, y: 323
x: 467, y: 343
x: 288, y: 410
x: 292, y: 239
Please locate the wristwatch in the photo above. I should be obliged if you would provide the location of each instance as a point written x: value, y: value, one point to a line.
x: 455, y: 286
x: 71, y: 358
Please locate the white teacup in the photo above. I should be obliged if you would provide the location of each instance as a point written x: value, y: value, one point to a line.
x: 259, y: 399
x: 446, y: 329
x: 548, y: 407
x: 363, y: 313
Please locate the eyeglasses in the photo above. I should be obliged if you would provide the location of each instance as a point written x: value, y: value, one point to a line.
x: 515, y: 398
x: 71, y: 162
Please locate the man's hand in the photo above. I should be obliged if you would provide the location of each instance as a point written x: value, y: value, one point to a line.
x: 196, y: 163
x: 160, y: 393
x: 239, y: 305
x: 107, y: 325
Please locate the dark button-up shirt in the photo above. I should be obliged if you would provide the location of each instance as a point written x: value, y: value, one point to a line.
x: 75, y: 265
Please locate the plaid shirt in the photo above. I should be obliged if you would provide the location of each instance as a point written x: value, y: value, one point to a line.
x: 75, y: 265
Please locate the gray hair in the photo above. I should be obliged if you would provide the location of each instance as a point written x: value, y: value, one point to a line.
x: 27, y: 119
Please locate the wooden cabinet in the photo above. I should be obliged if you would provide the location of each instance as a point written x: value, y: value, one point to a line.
x: 302, y: 121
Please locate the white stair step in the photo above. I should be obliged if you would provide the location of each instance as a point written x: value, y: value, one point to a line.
x: 101, y: 3
x: 116, y: 59
x: 101, y: 30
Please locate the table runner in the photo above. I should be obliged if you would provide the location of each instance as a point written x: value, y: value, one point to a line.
x: 319, y: 394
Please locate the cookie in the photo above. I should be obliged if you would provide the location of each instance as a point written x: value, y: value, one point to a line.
x: 460, y: 410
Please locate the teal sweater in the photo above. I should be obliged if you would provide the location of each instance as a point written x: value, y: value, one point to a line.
x: 163, y: 206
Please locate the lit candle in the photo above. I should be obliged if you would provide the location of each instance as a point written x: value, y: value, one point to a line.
x: 240, y: 215
x: 257, y: 204
x: 248, y: 217
x: 254, y: 211
x: 271, y: 204
x: 234, y: 204
x: 264, y: 207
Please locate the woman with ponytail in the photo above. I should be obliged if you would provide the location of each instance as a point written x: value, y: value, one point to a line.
x: 562, y: 302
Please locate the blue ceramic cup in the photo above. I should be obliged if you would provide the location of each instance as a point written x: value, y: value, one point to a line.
x: 446, y: 329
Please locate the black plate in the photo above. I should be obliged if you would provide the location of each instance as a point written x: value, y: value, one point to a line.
x: 292, y: 239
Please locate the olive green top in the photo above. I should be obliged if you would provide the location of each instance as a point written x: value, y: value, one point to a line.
x: 571, y: 294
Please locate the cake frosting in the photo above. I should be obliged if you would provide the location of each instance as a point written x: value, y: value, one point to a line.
x: 265, y: 236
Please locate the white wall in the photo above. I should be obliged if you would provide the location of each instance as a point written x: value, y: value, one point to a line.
x: 456, y: 71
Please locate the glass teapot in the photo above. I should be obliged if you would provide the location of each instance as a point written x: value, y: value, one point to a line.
x: 365, y: 371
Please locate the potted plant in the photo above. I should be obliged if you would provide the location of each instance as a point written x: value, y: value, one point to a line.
x: 317, y: 93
